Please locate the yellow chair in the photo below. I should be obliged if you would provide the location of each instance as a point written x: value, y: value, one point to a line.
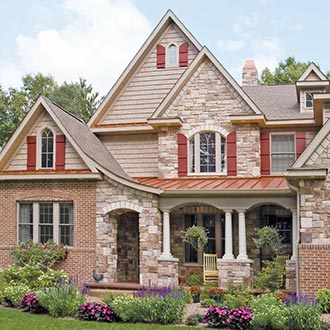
x: 210, y: 268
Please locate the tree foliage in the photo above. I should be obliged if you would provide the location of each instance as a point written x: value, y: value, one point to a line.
x: 76, y: 97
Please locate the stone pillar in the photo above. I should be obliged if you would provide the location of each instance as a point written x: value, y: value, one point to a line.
x: 242, y: 236
x: 166, y: 254
x: 294, y: 235
x: 290, y: 275
x: 229, y: 236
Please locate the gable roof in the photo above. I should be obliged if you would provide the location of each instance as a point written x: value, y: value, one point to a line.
x: 167, y: 19
x: 313, y: 146
x: 316, y: 70
x: 204, y: 53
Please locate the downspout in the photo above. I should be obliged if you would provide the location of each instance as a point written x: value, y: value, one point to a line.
x: 297, y: 234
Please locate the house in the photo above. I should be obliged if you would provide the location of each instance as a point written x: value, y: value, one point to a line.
x: 176, y: 142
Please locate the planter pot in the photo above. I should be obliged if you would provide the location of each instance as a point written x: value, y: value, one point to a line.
x: 196, y: 298
x: 182, y: 281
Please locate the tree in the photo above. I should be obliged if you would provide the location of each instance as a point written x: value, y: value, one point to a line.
x: 287, y: 72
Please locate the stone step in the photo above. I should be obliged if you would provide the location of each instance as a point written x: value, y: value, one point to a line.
x: 100, y: 293
x: 132, y: 286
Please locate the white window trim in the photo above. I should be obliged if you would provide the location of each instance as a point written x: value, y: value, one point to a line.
x: 35, y: 222
x: 303, y: 94
x: 197, y: 172
x: 38, y: 151
x: 175, y: 65
x: 270, y: 149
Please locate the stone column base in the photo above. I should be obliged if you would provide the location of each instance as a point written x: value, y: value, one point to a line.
x: 237, y: 272
x: 290, y: 275
x: 168, y: 271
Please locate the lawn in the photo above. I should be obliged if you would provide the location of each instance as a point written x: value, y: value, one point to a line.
x: 11, y: 319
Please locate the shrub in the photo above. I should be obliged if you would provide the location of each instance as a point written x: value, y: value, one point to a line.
x: 194, y: 278
x: 323, y: 298
x: 237, y: 296
x: 304, y: 317
x: 194, y: 319
x: 128, y: 308
x: 269, y: 278
x: 45, y: 255
x: 31, y: 304
x: 51, y: 278
x: 96, y: 312
x: 208, y: 302
x: 61, y: 301
x: 270, y: 313
x: 13, y: 293
x: 223, y: 317
x: 108, y: 298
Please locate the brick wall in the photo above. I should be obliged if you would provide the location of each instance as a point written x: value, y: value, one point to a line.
x: 82, y: 257
x: 314, y: 265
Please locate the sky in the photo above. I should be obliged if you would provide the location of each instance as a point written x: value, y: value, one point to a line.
x: 96, y: 39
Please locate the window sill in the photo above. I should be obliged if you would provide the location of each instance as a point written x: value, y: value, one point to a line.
x: 208, y: 174
x: 192, y: 264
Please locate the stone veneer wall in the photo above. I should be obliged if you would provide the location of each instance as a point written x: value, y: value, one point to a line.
x: 82, y: 257
x: 112, y: 199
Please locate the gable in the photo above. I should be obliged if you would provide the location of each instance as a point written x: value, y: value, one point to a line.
x: 19, y: 160
x: 148, y: 85
x: 321, y: 155
x: 312, y: 73
x: 312, y: 76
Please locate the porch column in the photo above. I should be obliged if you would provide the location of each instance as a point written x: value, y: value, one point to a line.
x: 242, y: 236
x: 229, y: 236
x: 294, y: 235
x: 166, y: 254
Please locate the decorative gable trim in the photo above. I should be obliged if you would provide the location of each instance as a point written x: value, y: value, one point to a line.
x: 317, y: 71
x: 168, y: 18
x: 204, y: 53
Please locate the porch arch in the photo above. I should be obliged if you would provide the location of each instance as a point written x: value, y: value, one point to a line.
x: 122, y: 205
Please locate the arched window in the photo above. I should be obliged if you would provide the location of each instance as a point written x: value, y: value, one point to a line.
x: 47, y: 149
x: 309, y: 100
x: 207, y: 153
x: 172, y: 55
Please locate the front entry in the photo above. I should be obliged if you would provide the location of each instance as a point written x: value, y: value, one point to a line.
x: 128, y: 247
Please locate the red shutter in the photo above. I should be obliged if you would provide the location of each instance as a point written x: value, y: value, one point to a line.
x: 182, y: 155
x: 300, y: 143
x: 231, y: 154
x: 31, y: 152
x: 160, y: 57
x: 265, y: 153
x: 183, y: 54
x: 60, y: 152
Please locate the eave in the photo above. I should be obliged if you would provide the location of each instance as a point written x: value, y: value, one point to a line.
x: 306, y: 173
x: 139, y: 128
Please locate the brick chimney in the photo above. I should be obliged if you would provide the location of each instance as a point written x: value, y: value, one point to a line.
x: 249, y: 74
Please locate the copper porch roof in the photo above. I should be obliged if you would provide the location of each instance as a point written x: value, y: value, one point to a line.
x: 266, y: 183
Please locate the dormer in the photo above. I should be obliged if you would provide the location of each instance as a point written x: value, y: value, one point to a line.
x: 311, y: 82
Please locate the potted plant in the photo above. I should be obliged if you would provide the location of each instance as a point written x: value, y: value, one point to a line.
x: 195, y: 293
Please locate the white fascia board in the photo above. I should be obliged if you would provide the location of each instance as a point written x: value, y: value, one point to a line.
x: 77, y: 176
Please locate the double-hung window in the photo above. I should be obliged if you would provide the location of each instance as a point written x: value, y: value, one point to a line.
x: 47, y: 149
x: 282, y: 151
x: 46, y: 221
x: 309, y: 100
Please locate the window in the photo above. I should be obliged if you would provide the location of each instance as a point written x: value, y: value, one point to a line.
x: 172, y: 55
x: 47, y: 149
x: 207, y: 153
x: 282, y: 151
x: 309, y: 100
x: 43, y: 222
x: 190, y: 254
x: 209, y: 224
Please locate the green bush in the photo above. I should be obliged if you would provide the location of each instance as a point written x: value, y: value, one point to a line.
x: 208, y: 302
x: 194, y: 278
x: 194, y: 319
x: 237, y: 296
x: 12, y: 294
x: 269, y: 278
x: 108, y: 298
x: 62, y: 301
x: 323, y: 298
x: 128, y: 308
x: 270, y: 313
x: 304, y: 317
x: 45, y: 255
x: 51, y: 278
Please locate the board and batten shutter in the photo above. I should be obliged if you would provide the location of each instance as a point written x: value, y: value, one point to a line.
x: 182, y: 155
x: 231, y: 154
x: 60, y: 152
x: 183, y: 54
x: 160, y: 57
x: 300, y: 143
x: 31, y: 152
x: 264, y: 153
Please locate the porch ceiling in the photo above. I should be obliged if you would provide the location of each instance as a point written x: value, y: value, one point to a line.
x: 270, y: 184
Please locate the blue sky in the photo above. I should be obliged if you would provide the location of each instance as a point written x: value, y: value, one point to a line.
x: 96, y: 39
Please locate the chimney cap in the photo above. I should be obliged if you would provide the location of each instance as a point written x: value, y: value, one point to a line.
x: 249, y: 65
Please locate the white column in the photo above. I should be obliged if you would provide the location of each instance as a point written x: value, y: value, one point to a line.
x: 229, y: 236
x: 294, y: 235
x: 166, y: 254
x: 242, y: 236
